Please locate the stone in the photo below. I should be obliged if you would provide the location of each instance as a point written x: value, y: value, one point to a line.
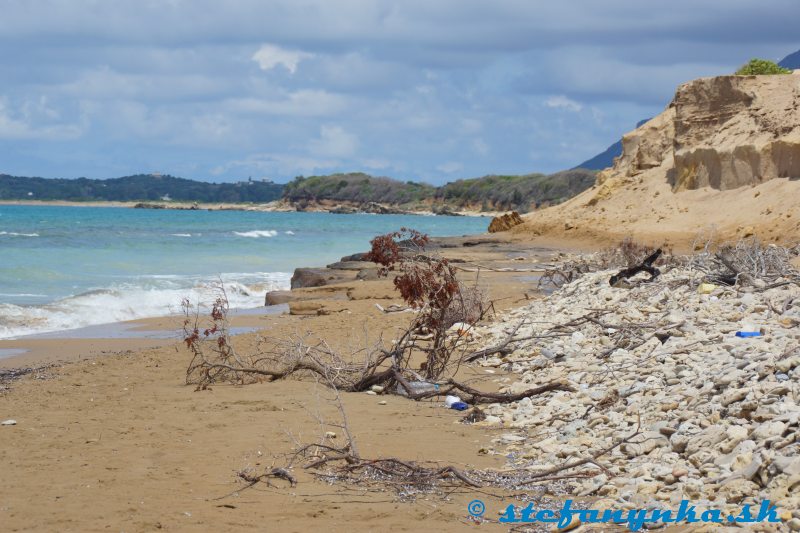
x: 738, y: 489
x: 733, y: 396
x: 306, y: 308
x: 787, y: 465
x: 351, y: 265
x: 505, y: 222
x: 644, y: 443
x: 318, y: 277
x: 768, y: 430
x: 679, y: 472
x: 705, y: 439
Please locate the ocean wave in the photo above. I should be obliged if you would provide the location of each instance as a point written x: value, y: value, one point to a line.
x: 131, y: 301
x: 289, y: 232
x: 181, y: 234
x: 255, y: 234
x: 15, y: 234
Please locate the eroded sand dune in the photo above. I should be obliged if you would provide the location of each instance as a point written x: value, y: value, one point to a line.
x: 723, y: 157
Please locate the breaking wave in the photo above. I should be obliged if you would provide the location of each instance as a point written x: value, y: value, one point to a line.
x: 255, y: 234
x: 154, y: 296
x: 15, y: 234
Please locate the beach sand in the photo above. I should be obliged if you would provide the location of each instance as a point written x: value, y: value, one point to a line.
x: 113, y: 440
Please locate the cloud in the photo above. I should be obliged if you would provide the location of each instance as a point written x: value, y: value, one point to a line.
x: 270, y: 56
x: 334, y: 141
x: 304, y: 102
x: 450, y: 167
x: 481, y: 147
x: 25, y: 124
x: 562, y: 102
x: 409, y: 88
x: 271, y: 164
x: 376, y: 163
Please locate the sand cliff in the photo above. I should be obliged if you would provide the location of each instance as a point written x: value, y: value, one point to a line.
x: 723, y: 157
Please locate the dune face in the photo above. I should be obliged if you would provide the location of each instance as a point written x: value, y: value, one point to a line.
x: 725, y: 154
x: 734, y: 131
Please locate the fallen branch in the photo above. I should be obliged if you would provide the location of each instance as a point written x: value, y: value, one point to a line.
x: 586, y: 460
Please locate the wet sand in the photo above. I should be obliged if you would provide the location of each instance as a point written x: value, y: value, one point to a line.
x: 114, y: 439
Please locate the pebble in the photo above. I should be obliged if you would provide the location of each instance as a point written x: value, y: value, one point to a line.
x: 719, y: 415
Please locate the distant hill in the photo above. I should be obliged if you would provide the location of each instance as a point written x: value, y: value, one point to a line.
x: 353, y: 191
x: 791, y: 61
x: 606, y: 159
x: 523, y: 193
x: 489, y: 193
x: 356, y: 187
x: 141, y: 187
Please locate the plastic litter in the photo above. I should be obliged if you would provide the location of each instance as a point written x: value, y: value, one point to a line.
x: 748, y: 334
x: 450, y: 400
x: 9, y: 422
x: 748, y: 330
x: 418, y: 387
x: 454, y: 402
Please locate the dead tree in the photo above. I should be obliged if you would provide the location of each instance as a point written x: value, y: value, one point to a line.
x: 426, y: 282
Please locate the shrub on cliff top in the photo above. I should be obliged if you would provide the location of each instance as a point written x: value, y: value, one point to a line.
x: 756, y: 67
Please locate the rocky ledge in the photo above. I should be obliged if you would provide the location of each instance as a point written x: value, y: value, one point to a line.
x: 717, y: 415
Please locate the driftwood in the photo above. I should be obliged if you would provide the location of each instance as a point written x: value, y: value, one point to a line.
x: 644, y: 266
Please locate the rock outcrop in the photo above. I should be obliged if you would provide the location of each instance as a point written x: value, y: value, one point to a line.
x: 505, y: 222
x: 318, y: 277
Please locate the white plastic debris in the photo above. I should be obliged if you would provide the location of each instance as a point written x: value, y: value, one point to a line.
x: 450, y: 400
x: 9, y: 422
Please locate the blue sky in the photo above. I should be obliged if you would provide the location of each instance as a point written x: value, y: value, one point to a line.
x: 429, y: 90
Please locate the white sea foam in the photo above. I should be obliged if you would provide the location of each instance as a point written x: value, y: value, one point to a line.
x: 15, y: 234
x: 181, y: 234
x: 289, y: 232
x: 255, y: 234
x: 133, y: 301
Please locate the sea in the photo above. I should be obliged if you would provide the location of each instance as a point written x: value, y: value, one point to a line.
x: 65, y: 267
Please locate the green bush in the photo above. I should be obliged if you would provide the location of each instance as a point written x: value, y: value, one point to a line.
x: 757, y: 67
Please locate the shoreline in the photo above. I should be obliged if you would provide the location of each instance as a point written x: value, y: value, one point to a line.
x: 128, y: 445
x: 271, y: 207
x: 116, y: 439
x: 344, y: 280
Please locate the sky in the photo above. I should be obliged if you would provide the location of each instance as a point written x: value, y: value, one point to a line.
x: 431, y: 90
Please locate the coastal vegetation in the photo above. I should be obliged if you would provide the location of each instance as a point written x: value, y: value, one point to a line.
x: 521, y: 193
x: 152, y: 187
x: 488, y: 193
x: 356, y: 187
x: 757, y: 67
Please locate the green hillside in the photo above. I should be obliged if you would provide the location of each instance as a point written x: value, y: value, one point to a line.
x: 489, y: 193
x: 142, y: 187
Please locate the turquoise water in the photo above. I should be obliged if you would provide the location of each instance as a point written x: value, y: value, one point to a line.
x: 69, y: 267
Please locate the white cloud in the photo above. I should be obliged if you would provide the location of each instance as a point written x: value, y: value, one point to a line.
x: 272, y: 164
x: 562, y: 102
x: 305, y: 102
x: 270, y: 56
x: 480, y: 146
x: 334, y: 141
x: 19, y: 126
x: 450, y: 167
x: 376, y: 164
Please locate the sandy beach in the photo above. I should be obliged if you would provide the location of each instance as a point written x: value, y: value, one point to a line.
x: 111, y: 438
